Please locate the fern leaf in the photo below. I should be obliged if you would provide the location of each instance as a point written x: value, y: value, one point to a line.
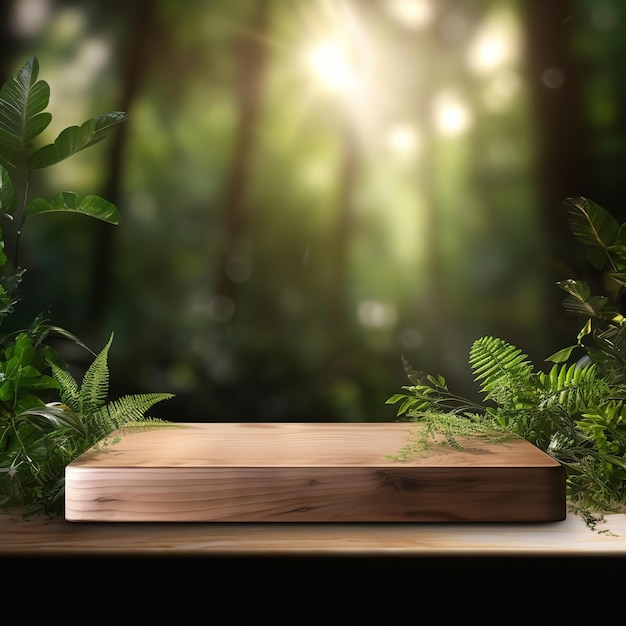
x: 95, y: 385
x: 69, y: 390
x: 497, y: 363
x: 571, y: 388
x: 127, y: 410
x: 133, y: 408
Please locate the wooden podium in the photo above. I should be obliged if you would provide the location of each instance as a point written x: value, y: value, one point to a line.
x: 301, y: 472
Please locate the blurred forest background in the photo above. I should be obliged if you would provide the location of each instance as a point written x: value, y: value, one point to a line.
x: 311, y: 189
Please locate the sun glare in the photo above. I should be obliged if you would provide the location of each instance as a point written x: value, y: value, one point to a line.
x: 403, y: 139
x: 452, y: 116
x: 345, y: 58
x: 412, y: 13
x: 495, y: 45
x: 331, y: 65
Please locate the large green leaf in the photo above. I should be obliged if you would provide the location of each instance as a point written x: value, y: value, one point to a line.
x: 618, y: 277
x: 581, y: 302
x: 8, y: 197
x: 594, y: 227
x: 22, y: 102
x: 94, y: 206
x: 54, y: 416
x: 76, y: 138
x: 561, y: 356
x: 579, y: 289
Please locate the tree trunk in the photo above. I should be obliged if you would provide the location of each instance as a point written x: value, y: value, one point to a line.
x: 555, y: 88
x: 136, y: 60
x: 251, y: 52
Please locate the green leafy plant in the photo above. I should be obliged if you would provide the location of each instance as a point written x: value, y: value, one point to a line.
x: 46, y: 418
x: 575, y: 410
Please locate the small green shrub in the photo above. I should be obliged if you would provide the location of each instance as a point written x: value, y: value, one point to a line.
x: 576, y: 410
x: 47, y: 418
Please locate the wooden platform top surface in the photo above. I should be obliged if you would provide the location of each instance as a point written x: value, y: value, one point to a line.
x: 300, y: 444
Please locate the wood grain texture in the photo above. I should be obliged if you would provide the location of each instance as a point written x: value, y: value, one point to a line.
x: 298, y: 472
x: 40, y: 536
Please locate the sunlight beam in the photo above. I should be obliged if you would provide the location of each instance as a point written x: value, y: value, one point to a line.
x: 331, y: 64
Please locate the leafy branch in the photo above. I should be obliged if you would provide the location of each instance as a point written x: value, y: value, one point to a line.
x: 46, y: 417
x: 576, y: 410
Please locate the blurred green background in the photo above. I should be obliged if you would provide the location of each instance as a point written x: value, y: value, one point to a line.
x: 310, y: 190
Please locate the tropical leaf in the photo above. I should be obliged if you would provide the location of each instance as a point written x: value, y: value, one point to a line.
x: 618, y: 277
x: 22, y: 102
x: 581, y: 302
x: 54, y: 416
x: 76, y: 138
x: 594, y: 306
x: 8, y: 197
x: 577, y: 288
x: 91, y: 205
x: 561, y: 356
x: 574, y: 412
x: 406, y: 402
x: 38, y: 438
x: 594, y: 227
x: 607, y: 350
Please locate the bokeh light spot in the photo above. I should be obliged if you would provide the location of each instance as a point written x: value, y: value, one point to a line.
x: 553, y: 78
x: 221, y: 308
x: 377, y: 314
x: 238, y: 269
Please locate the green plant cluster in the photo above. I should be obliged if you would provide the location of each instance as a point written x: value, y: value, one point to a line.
x: 47, y: 418
x: 575, y: 410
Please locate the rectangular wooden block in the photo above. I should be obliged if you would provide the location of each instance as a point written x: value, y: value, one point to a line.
x: 301, y: 472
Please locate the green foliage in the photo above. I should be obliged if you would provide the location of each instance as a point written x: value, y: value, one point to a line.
x: 40, y: 441
x: 94, y: 417
x: 46, y: 418
x: 442, y: 428
x: 575, y: 411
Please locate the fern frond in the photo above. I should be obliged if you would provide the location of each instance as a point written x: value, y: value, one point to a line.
x: 506, y: 373
x: 439, y: 428
x: 572, y: 388
x: 88, y: 401
x: 493, y: 360
x: 68, y: 387
x: 133, y: 408
x: 606, y: 426
x: 127, y: 410
x: 95, y: 385
x: 149, y: 423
